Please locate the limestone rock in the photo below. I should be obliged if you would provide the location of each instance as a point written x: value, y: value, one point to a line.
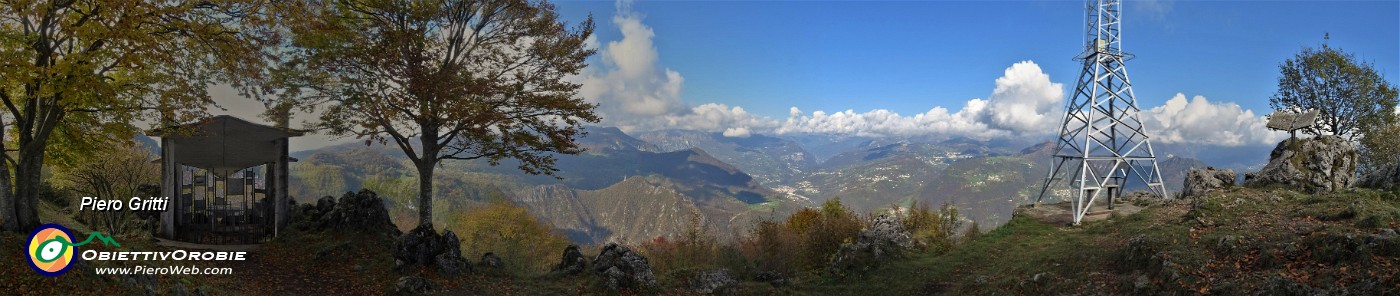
x: 771, y: 277
x: 571, y: 262
x: 454, y: 244
x: 1385, y: 178
x: 451, y: 264
x: 1316, y: 165
x: 363, y: 211
x: 424, y: 247
x: 490, y: 260
x: 885, y: 238
x: 717, y: 282
x: 622, y: 268
x: 412, y: 285
x: 324, y: 205
x: 1200, y: 181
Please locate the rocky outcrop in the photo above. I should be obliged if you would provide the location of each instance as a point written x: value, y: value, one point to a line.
x: 1384, y: 178
x: 621, y: 268
x: 1316, y: 165
x: 325, y: 204
x: 1200, y: 181
x: 717, y: 282
x: 885, y: 238
x: 450, y: 261
x: 424, y: 247
x: 572, y: 262
x: 362, y: 212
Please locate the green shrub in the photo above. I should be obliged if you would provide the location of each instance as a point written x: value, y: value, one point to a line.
x: 933, y: 231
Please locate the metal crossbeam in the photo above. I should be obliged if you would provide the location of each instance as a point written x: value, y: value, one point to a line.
x: 1101, y: 135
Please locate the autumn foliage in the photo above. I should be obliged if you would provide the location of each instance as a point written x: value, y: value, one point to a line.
x: 526, y: 245
x: 805, y: 241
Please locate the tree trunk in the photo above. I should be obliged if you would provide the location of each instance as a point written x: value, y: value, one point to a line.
x: 27, y: 188
x: 283, y: 116
x: 425, y: 193
x: 8, y: 219
x: 426, y: 163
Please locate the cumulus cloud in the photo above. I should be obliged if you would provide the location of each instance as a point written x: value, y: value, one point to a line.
x: 714, y: 117
x: 1200, y: 121
x: 636, y: 93
x: 881, y: 122
x: 737, y: 132
x: 1024, y: 101
x: 628, y: 83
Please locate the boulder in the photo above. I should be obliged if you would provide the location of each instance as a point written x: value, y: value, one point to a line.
x: 491, y: 261
x: 363, y: 211
x: 717, y: 282
x: 454, y: 245
x: 325, y: 204
x: 1384, y: 178
x: 621, y: 268
x: 771, y: 277
x: 419, y: 246
x: 885, y: 238
x: 424, y: 247
x: 450, y: 264
x: 572, y: 262
x: 1316, y: 165
x: 412, y: 285
x: 1200, y: 181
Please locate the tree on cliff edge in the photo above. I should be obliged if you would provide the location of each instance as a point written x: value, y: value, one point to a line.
x: 1351, y: 96
x: 478, y: 79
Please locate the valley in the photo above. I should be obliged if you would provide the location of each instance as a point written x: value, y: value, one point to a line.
x: 633, y: 187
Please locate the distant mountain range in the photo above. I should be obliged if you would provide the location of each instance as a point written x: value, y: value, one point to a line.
x: 634, y: 188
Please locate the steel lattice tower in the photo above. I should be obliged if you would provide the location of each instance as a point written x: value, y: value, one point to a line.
x: 1101, y: 136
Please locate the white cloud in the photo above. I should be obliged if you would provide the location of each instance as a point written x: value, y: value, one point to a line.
x: 713, y: 117
x: 635, y: 93
x: 881, y: 122
x: 736, y: 132
x: 1025, y: 101
x: 1200, y: 121
x: 629, y: 84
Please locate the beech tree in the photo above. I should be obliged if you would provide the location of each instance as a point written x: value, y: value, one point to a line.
x: 450, y: 80
x: 80, y: 73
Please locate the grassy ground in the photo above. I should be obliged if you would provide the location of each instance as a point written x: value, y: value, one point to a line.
x: 1235, y: 241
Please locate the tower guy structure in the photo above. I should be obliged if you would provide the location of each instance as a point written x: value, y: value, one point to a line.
x: 1101, y: 142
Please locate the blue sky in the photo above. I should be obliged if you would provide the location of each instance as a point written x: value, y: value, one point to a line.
x: 1203, y: 73
x: 908, y: 57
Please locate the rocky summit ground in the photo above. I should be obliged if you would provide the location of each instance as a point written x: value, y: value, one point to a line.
x: 1231, y: 241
